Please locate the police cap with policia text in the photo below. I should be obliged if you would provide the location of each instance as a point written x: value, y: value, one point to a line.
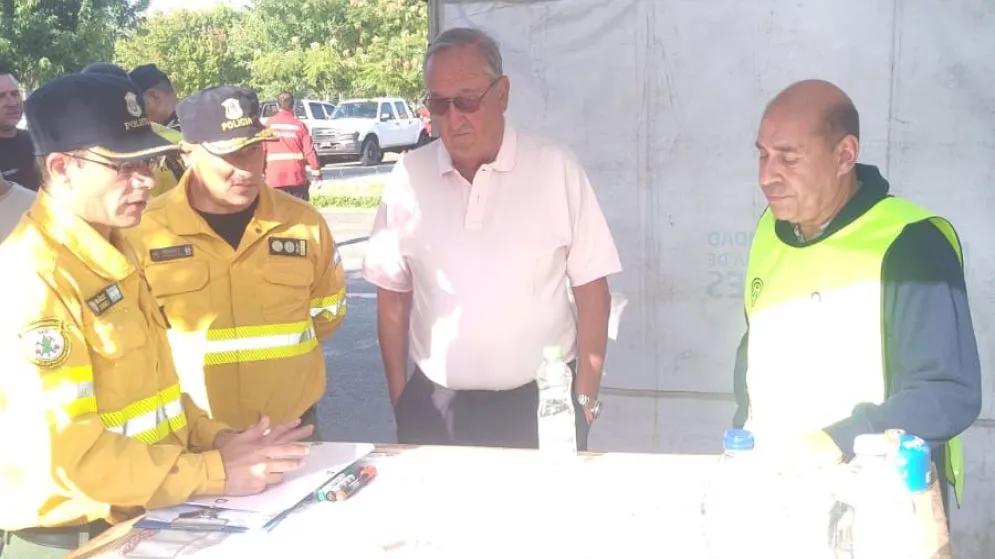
x: 101, y: 113
x: 223, y: 119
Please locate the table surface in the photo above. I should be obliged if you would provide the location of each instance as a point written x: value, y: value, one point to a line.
x: 462, y: 502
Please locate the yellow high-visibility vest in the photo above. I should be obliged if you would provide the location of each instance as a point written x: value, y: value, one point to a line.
x: 815, y: 316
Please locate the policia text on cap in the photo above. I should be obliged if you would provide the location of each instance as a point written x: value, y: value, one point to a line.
x: 94, y: 424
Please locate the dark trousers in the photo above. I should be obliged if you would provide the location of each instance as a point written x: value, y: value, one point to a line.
x: 429, y: 414
x: 302, y: 191
x: 45, y: 543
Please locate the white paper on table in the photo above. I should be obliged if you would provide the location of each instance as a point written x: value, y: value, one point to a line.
x: 322, y: 464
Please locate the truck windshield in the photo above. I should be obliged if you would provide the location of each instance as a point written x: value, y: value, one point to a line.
x: 359, y: 109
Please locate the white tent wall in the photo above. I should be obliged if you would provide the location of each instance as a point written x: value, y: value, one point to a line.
x: 661, y: 101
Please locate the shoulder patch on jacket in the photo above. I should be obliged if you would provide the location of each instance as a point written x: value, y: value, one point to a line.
x: 282, y: 246
x: 107, y: 298
x: 46, y: 343
x: 171, y: 253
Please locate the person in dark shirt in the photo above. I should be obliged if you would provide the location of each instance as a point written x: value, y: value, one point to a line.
x: 160, y: 97
x: 17, y: 153
x: 894, y: 344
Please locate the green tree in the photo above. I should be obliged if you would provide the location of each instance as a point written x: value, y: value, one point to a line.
x: 42, y: 39
x: 336, y: 48
x: 390, y: 40
x: 194, y: 48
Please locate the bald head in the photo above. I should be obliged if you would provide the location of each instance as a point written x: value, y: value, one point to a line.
x: 808, y: 145
x: 823, y: 105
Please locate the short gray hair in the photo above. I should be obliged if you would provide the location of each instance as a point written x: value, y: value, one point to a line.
x: 468, y: 36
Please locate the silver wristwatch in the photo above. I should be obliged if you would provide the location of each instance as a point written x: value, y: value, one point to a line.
x: 593, y: 406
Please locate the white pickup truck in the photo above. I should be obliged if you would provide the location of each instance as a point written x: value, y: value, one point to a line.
x: 309, y: 111
x: 365, y: 129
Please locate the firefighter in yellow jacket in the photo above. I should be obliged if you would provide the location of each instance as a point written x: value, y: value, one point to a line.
x: 169, y: 169
x: 249, y: 277
x: 95, y: 427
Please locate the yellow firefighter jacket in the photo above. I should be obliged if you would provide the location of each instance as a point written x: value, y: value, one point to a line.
x: 171, y: 169
x: 245, y: 324
x: 92, y: 420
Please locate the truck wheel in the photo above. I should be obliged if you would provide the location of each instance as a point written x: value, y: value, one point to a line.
x: 371, y: 153
x: 423, y: 138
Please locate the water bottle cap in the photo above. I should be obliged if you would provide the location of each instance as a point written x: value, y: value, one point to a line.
x: 872, y: 444
x: 737, y: 439
x: 552, y: 353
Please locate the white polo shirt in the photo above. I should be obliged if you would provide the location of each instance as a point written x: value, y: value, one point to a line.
x: 489, y: 262
x: 13, y: 204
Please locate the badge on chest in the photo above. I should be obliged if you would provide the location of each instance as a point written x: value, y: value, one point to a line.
x: 171, y: 253
x: 107, y: 298
x: 279, y: 246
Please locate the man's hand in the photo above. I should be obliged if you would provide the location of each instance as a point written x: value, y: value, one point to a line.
x: 259, y: 456
x: 809, y: 452
x: 222, y: 438
x: 588, y: 415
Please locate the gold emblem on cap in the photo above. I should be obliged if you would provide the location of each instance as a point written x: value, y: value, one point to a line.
x: 131, y: 101
x: 233, y: 109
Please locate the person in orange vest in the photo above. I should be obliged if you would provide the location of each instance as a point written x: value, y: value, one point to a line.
x: 287, y: 156
x: 95, y: 426
x: 250, y: 278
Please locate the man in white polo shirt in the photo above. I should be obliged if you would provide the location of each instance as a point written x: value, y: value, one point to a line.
x: 14, y: 201
x: 477, y: 240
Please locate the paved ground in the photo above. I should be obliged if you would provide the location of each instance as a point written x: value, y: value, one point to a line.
x: 356, y: 407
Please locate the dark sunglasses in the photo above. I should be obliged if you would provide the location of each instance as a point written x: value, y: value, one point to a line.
x: 127, y: 168
x: 439, y: 106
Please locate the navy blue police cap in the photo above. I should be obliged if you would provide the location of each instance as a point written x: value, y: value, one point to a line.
x: 148, y: 76
x: 105, y: 68
x: 224, y: 119
x: 94, y: 111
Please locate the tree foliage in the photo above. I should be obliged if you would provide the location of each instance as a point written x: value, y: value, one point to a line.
x: 42, y: 39
x: 322, y: 48
x: 193, y: 48
x: 327, y: 49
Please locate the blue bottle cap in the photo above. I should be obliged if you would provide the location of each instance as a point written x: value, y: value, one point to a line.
x: 737, y: 439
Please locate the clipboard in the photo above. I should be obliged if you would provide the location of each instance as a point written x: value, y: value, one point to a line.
x: 324, y: 463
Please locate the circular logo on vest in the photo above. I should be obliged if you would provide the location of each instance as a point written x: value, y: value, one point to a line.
x: 756, y: 286
x: 816, y: 297
x: 46, y: 343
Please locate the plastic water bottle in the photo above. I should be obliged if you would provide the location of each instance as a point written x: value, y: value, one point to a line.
x: 557, y: 426
x: 874, y: 514
x: 730, y: 500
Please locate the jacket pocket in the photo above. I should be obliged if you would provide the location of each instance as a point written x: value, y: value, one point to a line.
x: 115, y: 335
x: 287, y: 295
x: 182, y: 288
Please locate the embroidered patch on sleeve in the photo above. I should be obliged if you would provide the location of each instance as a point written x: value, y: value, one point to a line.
x: 46, y: 343
x: 166, y: 254
x: 279, y: 246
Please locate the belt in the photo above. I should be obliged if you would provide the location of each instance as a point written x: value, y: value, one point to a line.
x: 63, y: 537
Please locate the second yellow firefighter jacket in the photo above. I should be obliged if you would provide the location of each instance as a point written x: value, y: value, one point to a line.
x: 245, y: 323
x: 171, y: 168
x: 92, y: 420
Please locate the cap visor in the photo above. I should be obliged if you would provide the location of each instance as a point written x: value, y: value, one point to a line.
x: 139, y: 146
x: 225, y: 147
